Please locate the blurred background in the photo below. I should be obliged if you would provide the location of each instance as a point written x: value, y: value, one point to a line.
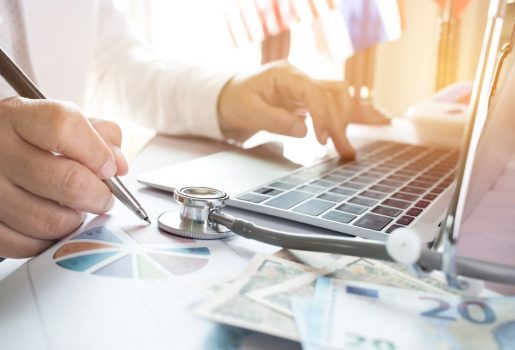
x: 397, y: 52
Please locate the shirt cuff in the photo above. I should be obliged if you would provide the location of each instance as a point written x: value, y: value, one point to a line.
x: 203, y: 114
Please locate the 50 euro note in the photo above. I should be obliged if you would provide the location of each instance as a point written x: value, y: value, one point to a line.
x: 366, y: 316
x: 278, y: 297
x: 231, y: 306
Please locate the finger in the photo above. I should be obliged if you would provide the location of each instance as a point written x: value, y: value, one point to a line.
x: 57, y: 178
x: 16, y: 245
x: 277, y: 120
x: 316, y: 99
x: 34, y: 216
x: 112, y: 135
x: 61, y: 128
x: 338, y: 131
x: 367, y: 114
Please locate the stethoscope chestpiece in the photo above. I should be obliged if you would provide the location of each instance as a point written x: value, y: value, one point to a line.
x: 192, y: 219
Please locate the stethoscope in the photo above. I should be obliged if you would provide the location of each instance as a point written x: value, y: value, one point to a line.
x: 201, y: 217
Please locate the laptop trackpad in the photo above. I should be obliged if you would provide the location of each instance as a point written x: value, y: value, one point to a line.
x: 234, y: 171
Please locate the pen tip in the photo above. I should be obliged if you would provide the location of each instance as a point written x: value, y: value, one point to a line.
x: 148, y: 220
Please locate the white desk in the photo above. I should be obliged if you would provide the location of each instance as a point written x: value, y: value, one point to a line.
x: 162, y: 151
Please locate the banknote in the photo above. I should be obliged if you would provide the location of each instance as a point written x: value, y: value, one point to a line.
x: 277, y: 297
x: 231, y: 305
x: 366, y: 316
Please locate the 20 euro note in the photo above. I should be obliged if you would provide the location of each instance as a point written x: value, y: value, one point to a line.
x: 366, y: 316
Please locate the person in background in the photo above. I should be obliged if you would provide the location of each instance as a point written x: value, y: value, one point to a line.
x: 53, y: 157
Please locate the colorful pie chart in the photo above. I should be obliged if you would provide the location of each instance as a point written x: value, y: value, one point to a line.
x: 100, y: 251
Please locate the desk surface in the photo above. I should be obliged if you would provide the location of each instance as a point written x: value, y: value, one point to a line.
x: 162, y: 151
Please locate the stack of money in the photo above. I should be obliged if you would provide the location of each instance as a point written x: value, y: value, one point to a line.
x: 354, y: 315
x: 263, y: 297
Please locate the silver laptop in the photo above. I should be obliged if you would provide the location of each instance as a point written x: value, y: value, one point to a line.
x: 389, y: 185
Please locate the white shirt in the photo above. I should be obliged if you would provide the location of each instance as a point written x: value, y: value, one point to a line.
x: 82, y: 46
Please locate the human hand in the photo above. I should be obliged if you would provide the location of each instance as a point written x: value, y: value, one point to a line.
x: 277, y: 97
x: 52, y: 162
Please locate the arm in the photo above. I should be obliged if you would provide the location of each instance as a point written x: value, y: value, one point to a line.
x: 171, y: 96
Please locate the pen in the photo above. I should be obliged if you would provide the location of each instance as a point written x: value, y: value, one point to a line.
x: 21, y: 83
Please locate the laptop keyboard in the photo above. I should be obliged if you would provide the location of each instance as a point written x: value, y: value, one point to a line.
x: 387, y: 186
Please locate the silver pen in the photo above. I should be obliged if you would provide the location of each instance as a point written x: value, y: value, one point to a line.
x: 21, y: 83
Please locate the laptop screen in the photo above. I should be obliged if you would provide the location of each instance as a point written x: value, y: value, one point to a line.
x: 482, y: 214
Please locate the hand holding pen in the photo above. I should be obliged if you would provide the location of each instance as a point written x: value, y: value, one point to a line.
x: 55, y: 165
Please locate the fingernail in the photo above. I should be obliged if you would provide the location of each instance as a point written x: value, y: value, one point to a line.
x: 110, y: 204
x: 82, y: 217
x: 108, y: 169
x: 298, y: 129
x: 118, y: 152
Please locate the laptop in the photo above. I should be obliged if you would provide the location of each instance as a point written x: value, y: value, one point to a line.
x: 389, y: 185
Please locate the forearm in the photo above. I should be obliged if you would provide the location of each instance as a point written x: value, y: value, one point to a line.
x: 172, y: 96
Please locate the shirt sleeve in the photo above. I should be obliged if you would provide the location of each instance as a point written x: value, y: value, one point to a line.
x: 172, y: 96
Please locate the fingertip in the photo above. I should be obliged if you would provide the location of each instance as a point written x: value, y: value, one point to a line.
x: 108, y: 170
x: 344, y: 148
x: 121, y: 161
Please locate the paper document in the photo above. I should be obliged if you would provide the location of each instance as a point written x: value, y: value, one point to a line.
x: 119, y: 284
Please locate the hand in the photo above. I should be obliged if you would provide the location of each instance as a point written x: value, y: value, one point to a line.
x: 52, y: 162
x: 277, y: 97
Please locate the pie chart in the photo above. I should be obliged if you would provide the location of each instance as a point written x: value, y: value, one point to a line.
x: 134, y: 253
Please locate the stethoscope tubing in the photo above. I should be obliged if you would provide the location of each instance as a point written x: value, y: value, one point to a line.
x: 429, y: 260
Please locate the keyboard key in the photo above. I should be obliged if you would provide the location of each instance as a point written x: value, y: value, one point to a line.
x: 288, y: 199
x: 405, y: 196
x: 334, y: 178
x: 425, y: 179
x: 313, y: 207
x: 387, y: 211
x: 311, y: 189
x: 437, y: 190
x: 282, y: 185
x: 414, y: 190
x: 252, y: 197
x: 342, y: 190
x: 367, y: 202
x: 422, y: 204
x: 349, y: 208
x: 332, y: 197
x: 405, y: 220
x: 268, y: 191
x: 354, y: 185
x: 372, y: 194
x: 429, y: 197
x: 344, y: 174
x: 398, y: 178
x: 297, y: 180
x: 420, y: 184
x: 396, y: 203
x: 372, y: 175
x: 390, y: 183
x: 414, y: 212
x: 373, y: 222
x: 339, y: 217
x: 322, y: 183
x: 384, y: 189
x: 393, y: 228
x: 363, y: 179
